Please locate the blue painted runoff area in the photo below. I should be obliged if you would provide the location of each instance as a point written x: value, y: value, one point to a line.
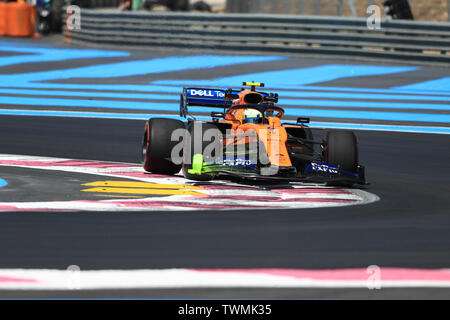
x: 292, y: 78
x: 140, y: 105
x: 298, y: 85
x: 442, y: 84
x: 3, y: 183
x: 37, y: 54
x: 156, y: 106
x: 283, y: 95
x: 386, y: 91
x: 135, y: 68
x: 414, y: 94
x: 137, y: 116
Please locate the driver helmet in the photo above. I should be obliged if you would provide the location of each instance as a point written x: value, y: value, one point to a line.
x: 252, y: 116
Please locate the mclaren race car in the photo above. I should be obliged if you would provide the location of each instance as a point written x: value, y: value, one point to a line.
x: 247, y: 139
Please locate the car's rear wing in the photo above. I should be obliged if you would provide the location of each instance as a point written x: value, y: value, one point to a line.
x: 207, y: 97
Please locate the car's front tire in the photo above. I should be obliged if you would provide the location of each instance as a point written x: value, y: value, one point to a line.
x: 341, y: 149
x: 157, y: 145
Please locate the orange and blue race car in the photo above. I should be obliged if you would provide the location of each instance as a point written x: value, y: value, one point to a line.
x: 247, y: 140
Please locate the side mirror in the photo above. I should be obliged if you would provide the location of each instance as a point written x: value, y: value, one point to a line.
x: 217, y: 115
x: 272, y: 97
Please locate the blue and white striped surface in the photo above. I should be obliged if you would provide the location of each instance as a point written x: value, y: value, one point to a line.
x: 417, y: 107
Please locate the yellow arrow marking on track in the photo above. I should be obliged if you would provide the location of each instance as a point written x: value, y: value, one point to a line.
x: 144, y: 191
x: 141, y: 188
x: 132, y: 184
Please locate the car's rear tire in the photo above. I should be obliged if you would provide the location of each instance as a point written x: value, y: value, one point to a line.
x: 196, y: 131
x: 157, y: 145
x: 341, y: 149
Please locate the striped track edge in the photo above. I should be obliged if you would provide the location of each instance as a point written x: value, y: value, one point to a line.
x: 73, y: 278
x: 219, y: 195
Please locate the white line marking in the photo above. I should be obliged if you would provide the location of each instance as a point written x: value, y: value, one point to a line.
x: 41, y: 279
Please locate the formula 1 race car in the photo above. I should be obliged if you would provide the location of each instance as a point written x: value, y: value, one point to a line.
x: 247, y: 140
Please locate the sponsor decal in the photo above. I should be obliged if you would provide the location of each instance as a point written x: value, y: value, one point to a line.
x: 217, y: 94
x: 323, y: 167
x: 238, y: 162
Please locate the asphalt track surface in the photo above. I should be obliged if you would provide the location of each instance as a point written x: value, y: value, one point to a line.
x: 408, y: 228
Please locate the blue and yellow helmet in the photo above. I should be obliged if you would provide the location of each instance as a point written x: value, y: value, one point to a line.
x: 252, y: 116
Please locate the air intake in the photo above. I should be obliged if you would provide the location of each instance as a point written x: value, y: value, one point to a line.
x: 253, y: 98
